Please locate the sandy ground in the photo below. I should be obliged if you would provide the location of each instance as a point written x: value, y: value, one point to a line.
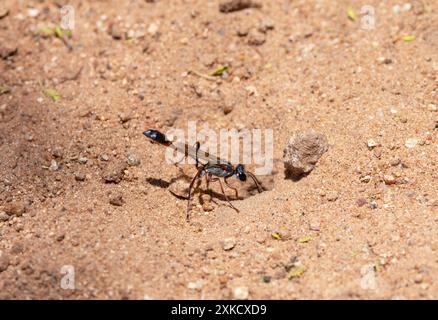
x: 363, y: 224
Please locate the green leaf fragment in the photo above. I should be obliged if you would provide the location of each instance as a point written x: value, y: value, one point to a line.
x: 351, y: 14
x: 52, y: 94
x: 408, y: 38
x: 46, y: 31
x: 297, y: 272
x: 276, y: 236
x: 219, y: 71
x: 304, y: 239
x: 57, y: 32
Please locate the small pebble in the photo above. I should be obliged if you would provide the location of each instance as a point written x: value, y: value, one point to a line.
x: 332, y: 196
x: 411, y: 143
x: 389, y: 179
x: 266, y: 24
x: 3, y: 216
x: 371, y: 144
x: 103, y: 157
x: 79, y: 176
x: 83, y: 160
x: 117, y: 200
x: 228, y: 243
x: 54, y: 165
x: 153, y: 29
x: 361, y: 202
x: 195, y: 286
x: 16, y: 208
x: 240, y: 293
x: 395, y: 161
x: 33, y: 12
x: 115, y: 173
x: 256, y: 38
x: 133, y: 159
x: 373, y: 205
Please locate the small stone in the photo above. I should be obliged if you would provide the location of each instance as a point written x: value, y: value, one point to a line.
x: 365, y: 179
x: 125, y: 117
x: 252, y: 91
x: 79, y: 176
x: 103, y: 157
x: 240, y: 293
x: 371, y: 144
x: 395, y: 161
x: 361, y: 202
x: 266, y: 25
x: 332, y: 196
x: 227, y: 108
x: 53, y: 165
x: 389, y: 179
x: 33, y: 12
x: 60, y: 237
x: 396, y: 9
x: 418, y: 278
x: 315, y: 226
x: 4, y: 261
x: 153, y: 29
x: 242, y: 31
x: 228, y: 243
x: 228, y: 6
x: 432, y: 107
x: 411, y: 143
x: 195, y: 286
x: 57, y: 153
x: 83, y: 160
x: 19, y: 227
x: 178, y: 187
x: 116, y: 31
x: 16, y: 208
x: 3, y: 216
x: 373, y: 204
x: 115, y: 173
x: 407, y: 6
x: 256, y: 38
x: 132, y: 159
x: 207, y: 206
x: 303, y: 151
x: 117, y: 200
x: 384, y: 60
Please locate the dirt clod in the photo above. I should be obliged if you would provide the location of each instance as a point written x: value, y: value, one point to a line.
x: 16, y: 208
x: 114, y: 173
x: 228, y: 243
x: 303, y: 151
x: 228, y: 6
x: 117, y: 200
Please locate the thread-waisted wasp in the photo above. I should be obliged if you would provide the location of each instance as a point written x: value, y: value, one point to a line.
x: 208, y: 165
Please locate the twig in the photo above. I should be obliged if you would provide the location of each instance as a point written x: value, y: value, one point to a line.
x: 211, y: 78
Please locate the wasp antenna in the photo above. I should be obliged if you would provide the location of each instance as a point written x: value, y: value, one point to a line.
x: 257, y: 183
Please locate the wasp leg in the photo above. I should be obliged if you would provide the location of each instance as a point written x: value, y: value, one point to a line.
x: 231, y: 187
x: 195, y: 178
x: 223, y: 192
x: 197, y: 145
x: 210, y: 192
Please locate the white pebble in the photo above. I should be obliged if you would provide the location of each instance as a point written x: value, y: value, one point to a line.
x: 240, y: 293
x: 33, y: 12
x: 411, y: 143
